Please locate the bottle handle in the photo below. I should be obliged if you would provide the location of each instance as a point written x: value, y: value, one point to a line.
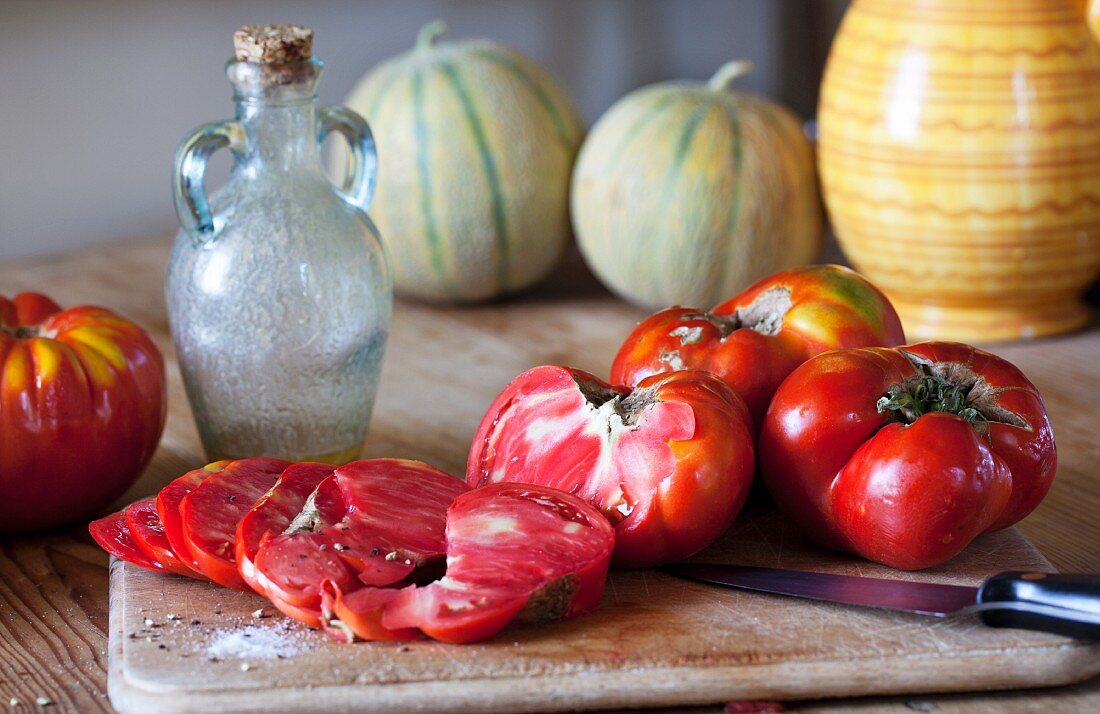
x: 361, y: 174
x: 188, y: 187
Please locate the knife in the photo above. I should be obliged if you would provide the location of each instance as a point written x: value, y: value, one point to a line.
x: 1066, y: 604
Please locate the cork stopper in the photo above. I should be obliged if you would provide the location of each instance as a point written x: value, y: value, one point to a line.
x: 273, y: 44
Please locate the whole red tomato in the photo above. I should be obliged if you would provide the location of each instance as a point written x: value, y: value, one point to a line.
x: 82, y: 407
x: 905, y: 455
x: 669, y: 463
x: 754, y: 339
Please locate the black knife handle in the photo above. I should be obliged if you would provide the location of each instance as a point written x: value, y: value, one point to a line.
x: 1066, y: 604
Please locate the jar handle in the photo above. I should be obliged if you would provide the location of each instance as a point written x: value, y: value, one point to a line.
x: 361, y: 174
x: 188, y: 189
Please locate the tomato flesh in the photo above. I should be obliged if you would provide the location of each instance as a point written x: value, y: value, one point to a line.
x: 211, y: 511
x: 375, y: 522
x: 272, y: 514
x: 112, y: 535
x: 515, y: 552
x: 669, y: 464
x: 168, y: 508
x: 147, y: 532
x: 359, y: 613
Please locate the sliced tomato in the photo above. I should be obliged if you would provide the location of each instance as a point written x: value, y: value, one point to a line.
x: 112, y: 535
x: 291, y: 565
x: 515, y: 553
x: 274, y: 513
x: 168, y: 508
x: 377, y: 522
x: 310, y: 617
x: 359, y: 613
x: 147, y: 532
x: 211, y: 511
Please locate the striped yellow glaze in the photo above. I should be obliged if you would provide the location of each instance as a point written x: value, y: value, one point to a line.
x: 960, y: 161
x: 475, y: 147
x: 686, y: 193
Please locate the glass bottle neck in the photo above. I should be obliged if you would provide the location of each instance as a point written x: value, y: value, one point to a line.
x: 282, y: 136
x: 277, y: 109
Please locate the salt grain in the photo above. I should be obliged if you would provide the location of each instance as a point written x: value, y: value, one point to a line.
x: 255, y: 642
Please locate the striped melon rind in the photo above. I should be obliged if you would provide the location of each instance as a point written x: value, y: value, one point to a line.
x: 686, y: 193
x: 475, y: 148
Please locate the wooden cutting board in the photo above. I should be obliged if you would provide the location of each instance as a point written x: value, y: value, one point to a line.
x: 178, y: 645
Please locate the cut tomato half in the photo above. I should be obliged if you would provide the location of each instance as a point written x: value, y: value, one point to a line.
x: 112, y: 535
x: 669, y: 464
x: 147, y: 532
x: 515, y: 553
x: 210, y: 513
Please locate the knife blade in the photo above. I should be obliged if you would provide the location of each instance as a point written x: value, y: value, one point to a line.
x: 1066, y: 604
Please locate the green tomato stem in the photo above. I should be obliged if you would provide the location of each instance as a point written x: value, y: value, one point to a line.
x: 929, y: 393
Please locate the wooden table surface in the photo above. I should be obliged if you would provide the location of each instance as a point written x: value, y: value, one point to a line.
x: 53, y: 587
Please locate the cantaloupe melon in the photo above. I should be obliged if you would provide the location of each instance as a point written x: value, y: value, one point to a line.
x: 475, y: 148
x: 686, y: 193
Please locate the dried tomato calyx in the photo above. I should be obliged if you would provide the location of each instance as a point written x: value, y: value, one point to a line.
x: 627, y: 406
x: 765, y: 314
x: 949, y: 387
x: 308, y: 519
x: 22, y: 332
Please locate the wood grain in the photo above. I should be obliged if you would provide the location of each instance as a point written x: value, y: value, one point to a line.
x: 53, y: 588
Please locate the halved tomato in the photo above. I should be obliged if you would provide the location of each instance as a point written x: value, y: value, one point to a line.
x: 668, y: 463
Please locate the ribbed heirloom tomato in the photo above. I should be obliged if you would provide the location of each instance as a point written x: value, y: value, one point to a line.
x: 82, y: 407
x: 754, y: 339
x: 905, y: 455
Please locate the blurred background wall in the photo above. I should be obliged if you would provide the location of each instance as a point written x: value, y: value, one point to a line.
x: 95, y: 94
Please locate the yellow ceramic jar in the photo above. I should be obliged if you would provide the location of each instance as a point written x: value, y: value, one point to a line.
x: 960, y: 161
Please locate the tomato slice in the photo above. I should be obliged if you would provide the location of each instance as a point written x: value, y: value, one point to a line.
x: 112, y: 535
x: 147, y: 532
x: 168, y: 508
x: 211, y: 511
x: 359, y: 613
x: 377, y: 521
x: 273, y: 514
x: 310, y: 617
x: 515, y: 553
